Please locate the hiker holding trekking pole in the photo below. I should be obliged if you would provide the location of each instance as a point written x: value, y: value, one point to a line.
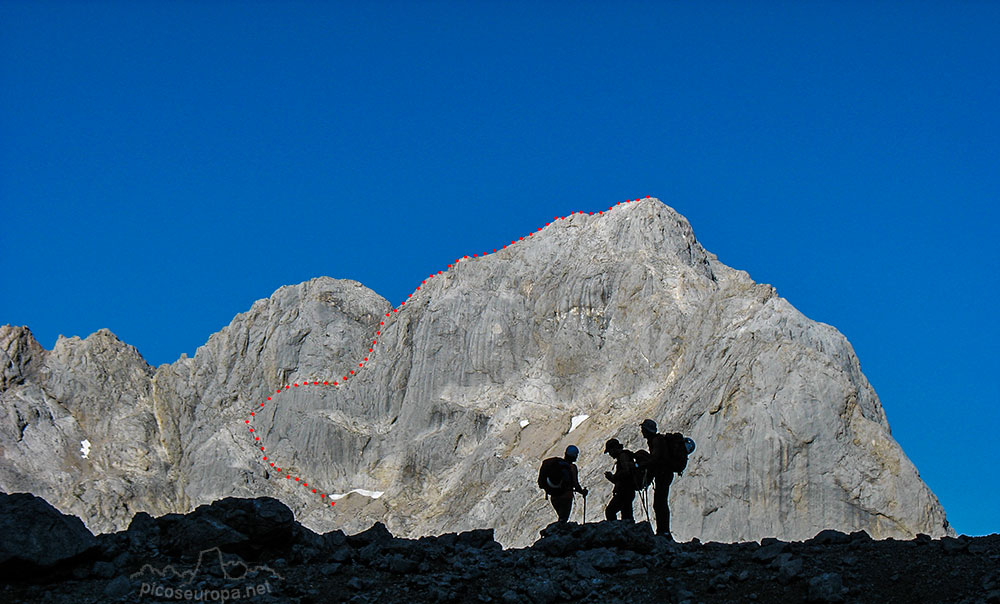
x: 559, y: 478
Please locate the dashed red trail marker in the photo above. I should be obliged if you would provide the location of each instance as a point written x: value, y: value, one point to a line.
x: 378, y: 332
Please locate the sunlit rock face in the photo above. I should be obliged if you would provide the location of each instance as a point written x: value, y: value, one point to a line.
x: 594, y: 323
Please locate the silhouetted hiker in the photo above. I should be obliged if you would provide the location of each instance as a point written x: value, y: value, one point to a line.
x: 559, y: 477
x: 667, y: 454
x: 623, y: 479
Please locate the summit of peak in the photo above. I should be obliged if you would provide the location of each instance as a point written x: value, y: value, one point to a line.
x: 644, y: 226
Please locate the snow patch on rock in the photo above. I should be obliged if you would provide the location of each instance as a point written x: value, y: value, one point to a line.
x: 577, y: 420
x: 365, y: 492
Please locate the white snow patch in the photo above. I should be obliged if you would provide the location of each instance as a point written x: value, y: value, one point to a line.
x: 85, y: 448
x: 577, y: 420
x: 365, y: 492
x: 524, y: 423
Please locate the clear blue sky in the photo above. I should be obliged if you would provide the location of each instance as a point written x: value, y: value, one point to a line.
x: 163, y: 165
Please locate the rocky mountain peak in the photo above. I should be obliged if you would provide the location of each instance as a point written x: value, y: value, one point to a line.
x: 20, y: 355
x: 638, y: 231
x: 650, y: 226
x: 572, y: 335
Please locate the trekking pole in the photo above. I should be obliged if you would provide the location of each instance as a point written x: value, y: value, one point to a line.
x: 644, y: 498
x: 585, y: 509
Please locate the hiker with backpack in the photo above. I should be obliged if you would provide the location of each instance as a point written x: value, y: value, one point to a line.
x: 668, y: 453
x: 559, y: 478
x: 624, y: 479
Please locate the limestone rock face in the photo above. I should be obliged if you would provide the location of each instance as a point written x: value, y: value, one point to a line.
x: 618, y: 317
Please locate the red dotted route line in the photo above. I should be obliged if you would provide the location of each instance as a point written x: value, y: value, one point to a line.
x: 253, y: 414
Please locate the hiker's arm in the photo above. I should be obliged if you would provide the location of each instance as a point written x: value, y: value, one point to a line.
x: 618, y: 476
x: 576, y: 483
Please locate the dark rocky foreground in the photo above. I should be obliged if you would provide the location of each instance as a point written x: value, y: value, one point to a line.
x: 252, y: 550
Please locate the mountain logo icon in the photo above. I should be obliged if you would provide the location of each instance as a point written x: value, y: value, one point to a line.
x: 212, y: 564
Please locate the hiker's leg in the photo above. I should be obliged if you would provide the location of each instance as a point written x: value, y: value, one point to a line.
x: 616, y: 505
x: 660, y: 507
x: 563, y: 505
x: 627, y: 498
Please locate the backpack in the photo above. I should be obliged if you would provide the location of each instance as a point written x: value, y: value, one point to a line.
x: 643, y: 469
x: 675, y: 457
x: 677, y: 453
x: 555, y: 476
x: 632, y: 470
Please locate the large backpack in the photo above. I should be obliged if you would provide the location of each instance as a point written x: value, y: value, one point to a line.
x: 675, y: 457
x: 677, y: 453
x: 555, y: 476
